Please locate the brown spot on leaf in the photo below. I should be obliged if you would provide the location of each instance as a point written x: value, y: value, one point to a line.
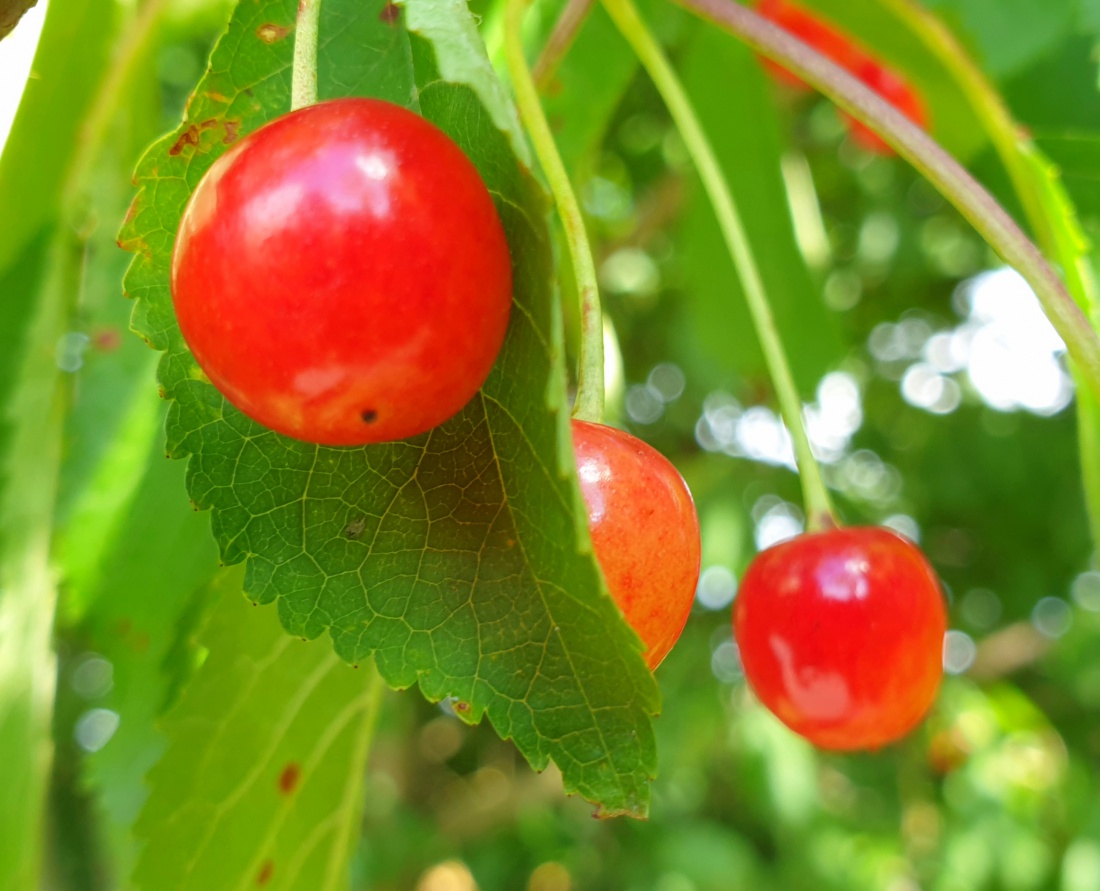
x: 390, y: 13
x: 217, y: 97
x: 131, y: 212
x: 191, y: 136
x: 232, y: 131
x: 355, y: 527
x: 265, y: 873
x: 272, y: 33
x: 289, y: 778
x: 461, y: 707
x: 136, y: 245
x: 248, y: 91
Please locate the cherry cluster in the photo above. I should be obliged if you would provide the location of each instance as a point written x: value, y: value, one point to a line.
x: 849, y: 55
x: 342, y: 277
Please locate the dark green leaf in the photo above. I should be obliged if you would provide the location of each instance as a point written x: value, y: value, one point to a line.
x: 741, y: 122
x: 1078, y: 158
x: 460, y: 558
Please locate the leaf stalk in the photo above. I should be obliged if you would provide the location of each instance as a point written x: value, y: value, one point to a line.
x: 589, y: 405
x: 819, y: 510
x: 303, y: 83
x: 949, y: 177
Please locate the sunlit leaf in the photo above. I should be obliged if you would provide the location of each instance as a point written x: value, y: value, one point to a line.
x: 261, y: 785
x: 459, y: 558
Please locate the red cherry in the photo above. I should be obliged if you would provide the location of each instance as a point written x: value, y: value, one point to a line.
x: 841, y: 635
x: 644, y: 530
x: 824, y: 38
x: 341, y: 274
x: 839, y: 47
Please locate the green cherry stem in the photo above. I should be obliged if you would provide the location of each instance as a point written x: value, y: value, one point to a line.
x: 590, y: 388
x: 303, y: 82
x: 819, y: 510
x: 949, y: 177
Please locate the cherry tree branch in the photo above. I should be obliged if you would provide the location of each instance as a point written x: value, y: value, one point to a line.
x: 971, y: 199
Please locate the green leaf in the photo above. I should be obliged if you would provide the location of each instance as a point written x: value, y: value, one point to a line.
x: 587, y: 87
x: 262, y: 781
x: 1078, y: 158
x: 719, y: 328
x: 148, y: 587
x: 40, y: 268
x: 1073, y: 251
x: 1008, y: 35
x: 460, y: 559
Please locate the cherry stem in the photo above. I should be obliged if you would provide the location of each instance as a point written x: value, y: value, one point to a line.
x: 819, y: 510
x: 1063, y: 242
x: 949, y: 177
x: 590, y: 382
x: 303, y: 83
x: 560, y: 39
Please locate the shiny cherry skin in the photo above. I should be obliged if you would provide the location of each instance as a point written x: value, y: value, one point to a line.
x: 644, y: 530
x: 341, y: 274
x: 841, y: 635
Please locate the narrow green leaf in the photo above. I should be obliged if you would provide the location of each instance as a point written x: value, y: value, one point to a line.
x: 742, y: 124
x: 1072, y: 249
x: 146, y: 589
x: 460, y: 559
x: 1078, y: 158
x: 262, y: 782
x: 28, y: 593
x: 587, y: 87
x: 40, y: 264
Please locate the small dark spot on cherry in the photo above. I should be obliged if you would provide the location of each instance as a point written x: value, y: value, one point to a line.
x: 289, y: 778
x: 369, y: 415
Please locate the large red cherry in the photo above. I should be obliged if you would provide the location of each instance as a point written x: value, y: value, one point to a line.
x: 341, y: 274
x: 841, y: 635
x: 644, y: 530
